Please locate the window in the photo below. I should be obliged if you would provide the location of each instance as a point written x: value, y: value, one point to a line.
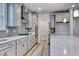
x: 76, y: 13
x: 10, y: 12
x: 1, y: 16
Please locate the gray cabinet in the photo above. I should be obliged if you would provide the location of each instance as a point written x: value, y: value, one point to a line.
x: 52, y: 21
x: 11, y: 51
x: 34, y: 39
x: 30, y: 41
x: 60, y: 17
x: 29, y: 19
x: 21, y: 46
x: 17, y: 47
x: 8, y: 52
x: 8, y: 49
x: 25, y: 46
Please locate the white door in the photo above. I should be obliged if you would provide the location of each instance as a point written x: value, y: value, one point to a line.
x: 43, y: 30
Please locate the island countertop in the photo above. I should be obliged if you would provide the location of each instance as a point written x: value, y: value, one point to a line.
x: 64, y: 45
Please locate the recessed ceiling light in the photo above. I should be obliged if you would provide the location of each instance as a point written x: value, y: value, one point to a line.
x: 73, y: 5
x: 39, y: 8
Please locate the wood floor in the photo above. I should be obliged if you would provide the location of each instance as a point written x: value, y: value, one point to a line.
x: 40, y: 49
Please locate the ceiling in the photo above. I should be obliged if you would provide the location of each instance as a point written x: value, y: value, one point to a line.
x: 49, y: 7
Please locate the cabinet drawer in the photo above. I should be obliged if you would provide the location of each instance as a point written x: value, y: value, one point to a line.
x: 30, y: 37
x: 21, y: 49
x: 6, y: 45
x: 21, y: 40
x: 8, y: 52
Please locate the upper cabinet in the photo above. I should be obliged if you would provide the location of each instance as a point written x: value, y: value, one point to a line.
x: 3, y: 16
x: 60, y: 17
x: 52, y: 21
x: 26, y: 16
x: 18, y: 15
x: 30, y: 19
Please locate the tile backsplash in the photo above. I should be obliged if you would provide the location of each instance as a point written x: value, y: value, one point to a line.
x: 11, y: 32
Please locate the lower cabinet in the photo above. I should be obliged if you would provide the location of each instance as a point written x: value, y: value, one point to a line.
x: 8, y: 52
x: 25, y: 46
x: 11, y: 51
x: 17, y: 47
x: 30, y: 41
x: 8, y: 49
x: 21, y: 49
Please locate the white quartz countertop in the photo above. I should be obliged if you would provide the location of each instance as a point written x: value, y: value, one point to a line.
x: 61, y: 45
x: 8, y: 39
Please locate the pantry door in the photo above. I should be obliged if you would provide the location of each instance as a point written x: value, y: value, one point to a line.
x: 43, y: 30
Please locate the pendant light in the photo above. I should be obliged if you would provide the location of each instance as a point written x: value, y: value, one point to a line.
x: 64, y: 20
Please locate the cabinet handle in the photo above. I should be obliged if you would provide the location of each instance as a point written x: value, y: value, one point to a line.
x: 5, y: 54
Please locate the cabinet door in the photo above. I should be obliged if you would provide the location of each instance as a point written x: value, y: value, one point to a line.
x: 17, y: 15
x: 21, y: 49
x: 1, y: 53
x: 25, y: 46
x: 59, y: 17
x: 11, y: 51
x: 52, y: 21
x: 30, y: 41
x: 29, y: 44
x: 34, y: 39
x: 30, y: 19
x: 8, y: 52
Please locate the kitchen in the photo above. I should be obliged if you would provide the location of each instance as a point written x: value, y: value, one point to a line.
x: 49, y: 29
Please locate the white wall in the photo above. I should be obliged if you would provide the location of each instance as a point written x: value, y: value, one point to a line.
x: 43, y: 20
x: 34, y: 22
x: 60, y: 16
x: 76, y: 27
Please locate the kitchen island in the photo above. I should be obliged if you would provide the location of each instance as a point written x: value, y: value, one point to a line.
x: 61, y: 45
